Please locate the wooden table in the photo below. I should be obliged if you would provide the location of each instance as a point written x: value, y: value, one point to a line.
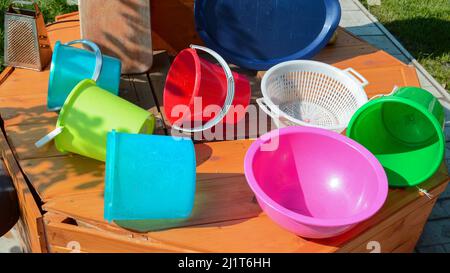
x: 61, y: 196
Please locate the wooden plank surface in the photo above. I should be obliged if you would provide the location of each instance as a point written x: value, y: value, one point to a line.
x: 261, y: 235
x: 63, y: 236
x: 23, y: 94
x: 25, y: 110
x: 216, y: 200
x: 226, y: 217
x: 30, y: 214
x: 402, y: 235
x: 89, y: 208
x: 5, y: 73
x: 72, y: 174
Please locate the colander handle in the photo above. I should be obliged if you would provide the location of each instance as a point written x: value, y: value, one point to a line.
x: 97, y: 52
x: 263, y: 105
x: 49, y: 137
x: 355, y: 75
x: 228, y: 100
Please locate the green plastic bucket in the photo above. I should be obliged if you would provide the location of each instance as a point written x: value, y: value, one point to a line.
x: 88, y: 114
x: 405, y: 132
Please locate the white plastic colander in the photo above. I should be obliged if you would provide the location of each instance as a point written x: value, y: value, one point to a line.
x: 311, y: 93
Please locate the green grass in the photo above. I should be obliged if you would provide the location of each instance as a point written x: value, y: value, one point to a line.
x: 50, y: 8
x: 423, y: 27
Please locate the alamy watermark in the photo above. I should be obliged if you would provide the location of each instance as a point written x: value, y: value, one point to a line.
x: 239, y: 122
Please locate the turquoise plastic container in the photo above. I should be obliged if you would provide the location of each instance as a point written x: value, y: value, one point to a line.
x: 149, y: 177
x: 70, y: 65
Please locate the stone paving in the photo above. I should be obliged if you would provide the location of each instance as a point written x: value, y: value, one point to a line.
x: 356, y: 19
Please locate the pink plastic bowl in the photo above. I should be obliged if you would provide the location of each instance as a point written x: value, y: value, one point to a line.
x: 316, y: 183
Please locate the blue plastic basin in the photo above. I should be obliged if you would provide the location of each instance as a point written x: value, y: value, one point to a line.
x: 258, y: 34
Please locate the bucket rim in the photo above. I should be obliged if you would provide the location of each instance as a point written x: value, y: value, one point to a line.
x: 438, y: 128
x: 361, y: 95
x: 375, y: 206
x: 198, y: 75
x: 52, y: 72
x: 110, y: 163
x: 75, y: 93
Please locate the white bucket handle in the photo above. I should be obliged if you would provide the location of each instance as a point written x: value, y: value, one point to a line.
x: 228, y: 100
x: 98, y: 55
x: 385, y: 95
x: 49, y: 137
x: 355, y: 75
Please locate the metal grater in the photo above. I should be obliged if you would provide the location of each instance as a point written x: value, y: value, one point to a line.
x: 26, y: 41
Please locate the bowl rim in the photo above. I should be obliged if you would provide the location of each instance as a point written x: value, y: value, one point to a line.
x: 424, y: 111
x: 375, y: 206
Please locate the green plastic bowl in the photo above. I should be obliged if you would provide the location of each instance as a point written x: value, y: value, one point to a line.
x: 405, y: 132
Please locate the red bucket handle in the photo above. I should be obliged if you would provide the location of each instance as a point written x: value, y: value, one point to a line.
x: 228, y: 100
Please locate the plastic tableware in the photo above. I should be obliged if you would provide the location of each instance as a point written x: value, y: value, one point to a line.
x: 70, y: 65
x: 312, y: 93
x: 149, y: 177
x: 88, y: 114
x: 258, y: 34
x: 405, y: 132
x: 313, y: 192
x: 194, y: 84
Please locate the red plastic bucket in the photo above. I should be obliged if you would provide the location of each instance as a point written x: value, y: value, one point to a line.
x: 192, y: 78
